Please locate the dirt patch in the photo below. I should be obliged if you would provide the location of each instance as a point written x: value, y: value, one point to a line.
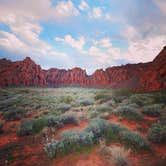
x: 86, y: 159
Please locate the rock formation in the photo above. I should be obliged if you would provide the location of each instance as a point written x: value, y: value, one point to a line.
x: 149, y: 76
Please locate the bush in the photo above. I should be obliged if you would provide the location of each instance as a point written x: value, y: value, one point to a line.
x: 157, y: 133
x: 153, y: 110
x: 63, y: 107
x: 66, y: 99
x: 98, y: 127
x: 128, y: 112
x: 86, y: 103
x: 116, y: 155
x: 60, y: 121
x: 39, y: 124
x: 122, y: 92
x: 119, y: 156
x: 113, y: 132
x: 71, y: 141
x: 53, y: 148
x: 133, y: 140
x: 14, y: 114
x: 104, y: 115
x: 31, y: 126
x: 141, y: 99
x: 93, y: 114
x: 25, y: 128
x: 77, y: 139
x: 103, y: 108
x: 159, y: 97
x: 102, y: 96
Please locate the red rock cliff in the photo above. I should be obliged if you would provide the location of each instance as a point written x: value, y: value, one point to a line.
x: 141, y: 77
x: 21, y: 73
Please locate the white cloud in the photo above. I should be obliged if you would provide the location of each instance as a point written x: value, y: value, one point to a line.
x: 65, y: 9
x: 130, y: 33
x: 37, y: 10
x: 104, y: 43
x: 83, y: 5
x: 96, y: 13
x: 144, y: 50
x: 23, y: 19
x: 10, y: 42
x: 141, y: 49
x: 75, y: 43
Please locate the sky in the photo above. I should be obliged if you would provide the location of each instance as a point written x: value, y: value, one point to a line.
x: 90, y: 34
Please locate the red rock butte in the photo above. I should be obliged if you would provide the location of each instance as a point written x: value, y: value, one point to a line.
x: 149, y: 76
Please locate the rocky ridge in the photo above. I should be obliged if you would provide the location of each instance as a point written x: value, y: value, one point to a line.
x: 149, y: 76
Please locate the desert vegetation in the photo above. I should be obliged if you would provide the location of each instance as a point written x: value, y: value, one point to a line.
x: 110, y: 124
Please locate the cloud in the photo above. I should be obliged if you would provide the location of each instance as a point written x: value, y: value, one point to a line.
x: 75, y: 43
x: 14, y: 44
x: 104, y: 43
x: 37, y: 10
x: 65, y: 9
x: 83, y: 5
x: 144, y: 50
x: 96, y: 13
x: 23, y: 19
x: 10, y: 42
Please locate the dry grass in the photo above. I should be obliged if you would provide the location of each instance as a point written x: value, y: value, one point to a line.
x: 117, y: 155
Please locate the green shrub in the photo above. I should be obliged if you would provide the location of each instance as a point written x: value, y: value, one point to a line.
x: 157, y: 133
x: 39, y: 124
x: 159, y: 97
x: 98, y: 127
x: 61, y: 120
x: 103, y: 108
x: 122, y: 92
x: 66, y: 99
x: 71, y: 141
x: 141, y: 99
x: 102, y: 96
x: 14, y: 114
x: 93, y: 114
x: 31, y: 126
x: 63, y: 107
x: 86, y: 103
x: 134, y: 140
x: 77, y: 139
x: 128, y: 112
x: 153, y: 110
x: 113, y: 132
x: 26, y: 127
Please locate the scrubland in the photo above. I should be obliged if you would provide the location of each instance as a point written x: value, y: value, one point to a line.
x: 74, y: 126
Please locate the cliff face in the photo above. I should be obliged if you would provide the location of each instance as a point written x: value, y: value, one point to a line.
x: 21, y: 73
x: 141, y: 77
